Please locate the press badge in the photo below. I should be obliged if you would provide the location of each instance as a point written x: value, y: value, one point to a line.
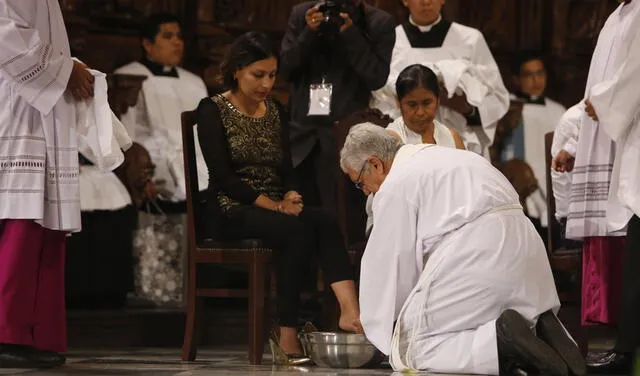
x: 320, y: 98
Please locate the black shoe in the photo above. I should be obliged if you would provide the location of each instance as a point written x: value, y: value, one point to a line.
x: 47, y: 357
x: 510, y: 368
x: 611, y: 363
x: 518, y: 345
x: 21, y: 356
x: 551, y: 331
x: 16, y: 359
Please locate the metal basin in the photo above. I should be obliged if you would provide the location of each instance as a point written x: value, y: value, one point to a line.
x: 341, y: 350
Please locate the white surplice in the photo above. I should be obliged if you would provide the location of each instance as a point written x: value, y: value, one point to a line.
x: 38, y: 145
x: 605, y: 182
x: 466, y: 45
x: 565, y: 137
x: 617, y: 105
x: 155, y: 123
x: 451, y: 249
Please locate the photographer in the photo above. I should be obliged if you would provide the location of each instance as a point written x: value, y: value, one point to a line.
x: 334, y: 54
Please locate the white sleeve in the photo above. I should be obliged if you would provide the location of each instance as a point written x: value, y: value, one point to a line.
x: 496, y: 104
x: 566, y: 133
x: 389, y: 271
x: 616, y: 100
x: 39, y: 73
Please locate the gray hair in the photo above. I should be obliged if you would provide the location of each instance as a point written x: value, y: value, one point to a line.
x: 367, y: 140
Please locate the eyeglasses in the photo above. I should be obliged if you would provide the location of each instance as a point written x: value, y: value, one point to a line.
x: 358, y: 183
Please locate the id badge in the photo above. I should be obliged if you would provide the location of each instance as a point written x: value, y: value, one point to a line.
x: 320, y: 98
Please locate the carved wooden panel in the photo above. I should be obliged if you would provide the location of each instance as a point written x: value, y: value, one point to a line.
x: 247, y: 15
x: 205, y: 11
x: 393, y: 7
x: 106, y: 52
x: 497, y: 19
x: 123, y: 8
x: 271, y: 15
x: 531, y: 24
x: 576, y: 25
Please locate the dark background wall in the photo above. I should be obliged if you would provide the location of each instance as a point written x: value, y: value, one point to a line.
x: 104, y: 32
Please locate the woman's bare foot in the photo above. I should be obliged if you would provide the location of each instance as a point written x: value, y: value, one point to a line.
x: 351, y: 323
x: 349, y: 309
x: 289, y: 341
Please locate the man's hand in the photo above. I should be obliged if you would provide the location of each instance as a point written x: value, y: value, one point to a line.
x: 80, y: 83
x: 590, y: 110
x: 313, y: 17
x: 348, y: 22
x: 563, y: 162
x: 149, y: 191
x: 457, y: 103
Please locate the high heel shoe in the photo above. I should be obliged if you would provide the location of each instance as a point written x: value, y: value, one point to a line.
x: 282, y: 358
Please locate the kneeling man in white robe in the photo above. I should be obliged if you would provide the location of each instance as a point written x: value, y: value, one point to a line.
x: 454, y: 263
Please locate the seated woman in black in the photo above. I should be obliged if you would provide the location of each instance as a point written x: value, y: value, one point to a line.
x: 244, y: 136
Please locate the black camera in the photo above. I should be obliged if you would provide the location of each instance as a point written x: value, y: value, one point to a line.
x: 331, y: 10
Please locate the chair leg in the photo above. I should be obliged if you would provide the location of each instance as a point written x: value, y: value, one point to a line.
x: 189, y: 346
x: 256, y: 311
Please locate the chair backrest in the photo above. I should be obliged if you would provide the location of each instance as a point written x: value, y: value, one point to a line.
x: 199, y: 225
x: 551, y: 202
x: 351, y: 201
x: 189, y: 120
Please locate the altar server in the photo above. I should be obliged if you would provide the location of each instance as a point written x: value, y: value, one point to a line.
x: 39, y: 195
x: 426, y: 38
x: 606, y: 180
x: 169, y: 90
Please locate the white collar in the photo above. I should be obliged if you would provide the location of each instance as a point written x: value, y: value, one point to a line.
x: 424, y: 29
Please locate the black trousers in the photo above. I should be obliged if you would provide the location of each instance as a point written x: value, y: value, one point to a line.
x: 294, y: 240
x: 629, y: 322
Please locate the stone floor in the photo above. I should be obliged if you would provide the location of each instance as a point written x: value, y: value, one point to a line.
x: 166, y: 362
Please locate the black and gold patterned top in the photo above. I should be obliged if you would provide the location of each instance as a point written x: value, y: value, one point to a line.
x: 246, y: 156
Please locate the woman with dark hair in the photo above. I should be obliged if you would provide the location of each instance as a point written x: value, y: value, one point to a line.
x: 243, y: 134
x: 418, y: 93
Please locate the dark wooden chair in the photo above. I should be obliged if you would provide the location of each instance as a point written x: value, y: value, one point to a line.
x: 563, y: 260
x: 210, y: 249
x: 351, y: 201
